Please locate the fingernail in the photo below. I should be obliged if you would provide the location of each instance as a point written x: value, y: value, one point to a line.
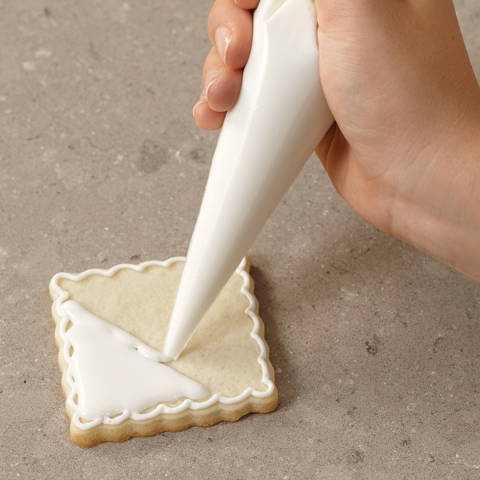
x: 210, y: 78
x: 203, y: 99
x: 223, y: 37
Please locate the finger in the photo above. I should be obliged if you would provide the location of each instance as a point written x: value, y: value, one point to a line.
x: 205, y: 117
x: 230, y: 29
x: 247, y: 4
x: 222, y: 85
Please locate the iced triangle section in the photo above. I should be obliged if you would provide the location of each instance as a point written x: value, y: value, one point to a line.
x: 115, y: 372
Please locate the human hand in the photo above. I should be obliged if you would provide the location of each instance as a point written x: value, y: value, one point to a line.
x: 404, y: 149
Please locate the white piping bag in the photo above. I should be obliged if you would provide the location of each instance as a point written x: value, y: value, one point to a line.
x: 280, y: 117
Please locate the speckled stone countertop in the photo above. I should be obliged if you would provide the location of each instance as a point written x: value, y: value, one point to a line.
x: 375, y: 344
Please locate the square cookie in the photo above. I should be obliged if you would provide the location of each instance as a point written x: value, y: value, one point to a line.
x: 110, y: 328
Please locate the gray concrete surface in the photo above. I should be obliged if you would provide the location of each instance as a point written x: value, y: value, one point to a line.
x: 376, y: 345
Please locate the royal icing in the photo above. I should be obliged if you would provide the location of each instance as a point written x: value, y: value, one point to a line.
x: 114, y: 376
x: 115, y: 372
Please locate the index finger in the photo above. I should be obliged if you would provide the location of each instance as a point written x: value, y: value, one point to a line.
x: 230, y: 29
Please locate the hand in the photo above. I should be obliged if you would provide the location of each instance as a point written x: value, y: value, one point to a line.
x: 405, y: 149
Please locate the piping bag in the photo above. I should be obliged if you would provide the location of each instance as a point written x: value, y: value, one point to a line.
x: 280, y: 117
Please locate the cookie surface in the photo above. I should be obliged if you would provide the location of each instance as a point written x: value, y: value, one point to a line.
x: 121, y: 316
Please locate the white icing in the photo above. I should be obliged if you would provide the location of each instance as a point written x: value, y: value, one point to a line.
x: 280, y: 117
x: 115, y: 372
x: 125, y: 342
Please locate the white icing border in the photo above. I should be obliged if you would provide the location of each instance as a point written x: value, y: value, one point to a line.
x: 161, y: 408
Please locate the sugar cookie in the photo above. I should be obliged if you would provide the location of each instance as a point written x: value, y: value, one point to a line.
x: 110, y: 327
